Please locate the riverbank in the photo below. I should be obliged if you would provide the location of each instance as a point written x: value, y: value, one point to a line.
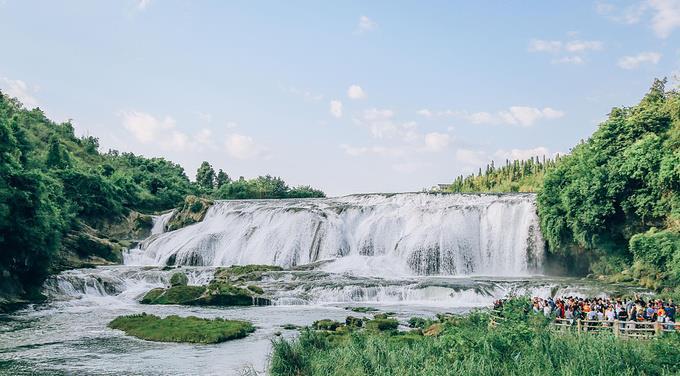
x: 525, y: 344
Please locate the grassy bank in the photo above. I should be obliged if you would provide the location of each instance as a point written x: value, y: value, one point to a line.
x: 453, y: 345
x: 181, y: 329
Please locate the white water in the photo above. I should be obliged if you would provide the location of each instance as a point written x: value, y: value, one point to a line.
x: 376, y: 235
x: 406, y: 253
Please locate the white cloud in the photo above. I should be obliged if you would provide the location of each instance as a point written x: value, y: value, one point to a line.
x: 538, y: 45
x: 629, y: 15
x: 583, y: 45
x: 436, y: 141
x: 19, y: 89
x: 143, y: 4
x: 663, y: 15
x: 515, y: 115
x: 632, y: 62
x: 161, y: 132
x: 666, y: 17
x: 569, y: 60
x: 356, y: 92
x: 480, y: 118
x: 243, y: 147
x: 231, y: 124
x: 425, y: 112
x: 336, y: 108
x: 566, y: 52
x: 527, y: 116
x: 381, y: 124
x: 366, y: 24
x: 146, y: 128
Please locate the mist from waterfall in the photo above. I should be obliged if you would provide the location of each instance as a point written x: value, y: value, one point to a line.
x: 374, y: 234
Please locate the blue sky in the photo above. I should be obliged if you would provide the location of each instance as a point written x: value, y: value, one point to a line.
x: 349, y: 97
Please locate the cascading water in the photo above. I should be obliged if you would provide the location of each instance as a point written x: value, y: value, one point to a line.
x: 400, y: 234
x: 411, y: 254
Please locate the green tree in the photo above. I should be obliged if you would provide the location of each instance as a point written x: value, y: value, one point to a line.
x: 205, y: 176
x: 222, y: 179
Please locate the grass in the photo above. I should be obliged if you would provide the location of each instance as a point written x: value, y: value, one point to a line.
x: 181, y: 329
x: 466, y: 345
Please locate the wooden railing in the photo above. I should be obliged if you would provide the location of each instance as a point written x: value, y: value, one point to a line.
x: 620, y: 329
x: 623, y: 329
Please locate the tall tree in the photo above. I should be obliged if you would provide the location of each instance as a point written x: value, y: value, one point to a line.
x: 205, y: 176
x: 222, y: 179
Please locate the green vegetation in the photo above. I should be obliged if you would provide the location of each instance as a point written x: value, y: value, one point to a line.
x: 515, y: 176
x: 218, y: 292
x: 181, y: 329
x: 466, y: 345
x: 179, y: 279
x: 220, y: 186
x: 64, y: 204
x: 244, y: 273
x: 612, y: 206
x: 615, y: 200
x: 362, y: 309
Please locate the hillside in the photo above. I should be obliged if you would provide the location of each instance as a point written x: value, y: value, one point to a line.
x: 613, y: 203
x: 64, y: 204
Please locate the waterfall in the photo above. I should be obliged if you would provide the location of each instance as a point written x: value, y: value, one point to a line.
x: 374, y: 234
x: 160, y: 221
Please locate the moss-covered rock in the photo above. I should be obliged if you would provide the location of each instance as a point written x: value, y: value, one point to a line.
x: 382, y: 324
x: 362, y: 309
x: 326, y: 324
x: 256, y: 289
x: 192, y: 210
x: 181, y: 329
x: 179, y: 279
x: 241, y: 273
x: 215, y: 294
x: 354, y: 321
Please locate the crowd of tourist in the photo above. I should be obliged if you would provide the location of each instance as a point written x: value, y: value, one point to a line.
x: 601, y: 309
x: 604, y: 309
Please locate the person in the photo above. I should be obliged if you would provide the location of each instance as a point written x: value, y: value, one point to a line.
x: 547, y: 310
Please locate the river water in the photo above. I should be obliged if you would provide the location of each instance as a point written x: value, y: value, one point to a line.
x: 413, y: 254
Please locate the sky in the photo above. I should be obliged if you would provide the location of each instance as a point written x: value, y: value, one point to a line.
x: 349, y: 97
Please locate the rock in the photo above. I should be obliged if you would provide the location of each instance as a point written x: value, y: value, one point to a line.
x: 214, y: 294
x: 326, y: 324
x: 433, y: 330
x: 382, y: 324
x: 239, y: 273
x: 256, y: 289
x: 179, y: 279
x: 192, y: 210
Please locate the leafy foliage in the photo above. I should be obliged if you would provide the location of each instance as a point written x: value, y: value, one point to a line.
x: 600, y: 201
x: 54, y: 184
x: 467, y: 345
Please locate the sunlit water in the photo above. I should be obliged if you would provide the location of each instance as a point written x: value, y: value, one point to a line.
x: 69, y: 335
x: 413, y: 254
